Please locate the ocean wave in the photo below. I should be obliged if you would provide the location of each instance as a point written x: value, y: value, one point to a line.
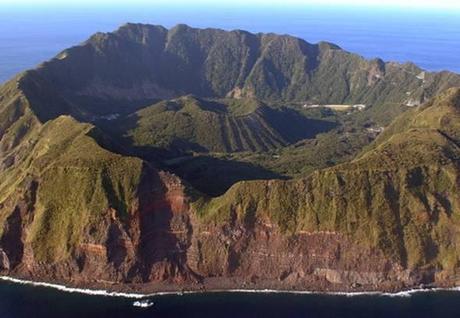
x: 404, y: 293
x: 106, y: 293
x: 94, y: 292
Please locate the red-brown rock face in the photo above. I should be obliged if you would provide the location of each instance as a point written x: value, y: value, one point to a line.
x: 163, y: 244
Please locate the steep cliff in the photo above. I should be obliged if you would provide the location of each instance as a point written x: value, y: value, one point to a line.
x: 399, y: 200
x: 75, y: 212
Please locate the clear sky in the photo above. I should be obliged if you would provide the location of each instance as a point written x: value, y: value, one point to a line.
x: 438, y: 4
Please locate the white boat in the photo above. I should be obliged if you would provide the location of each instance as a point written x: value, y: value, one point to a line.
x: 143, y: 303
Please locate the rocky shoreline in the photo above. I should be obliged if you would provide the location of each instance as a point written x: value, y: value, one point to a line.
x: 140, y: 291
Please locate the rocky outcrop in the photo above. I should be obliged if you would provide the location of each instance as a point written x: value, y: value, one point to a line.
x: 4, y: 261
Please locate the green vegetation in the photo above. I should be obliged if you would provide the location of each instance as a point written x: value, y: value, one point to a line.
x: 191, y: 124
x: 78, y: 182
x: 153, y: 63
x: 79, y: 134
x: 398, y: 196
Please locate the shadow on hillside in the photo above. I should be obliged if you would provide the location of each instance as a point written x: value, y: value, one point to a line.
x: 214, y: 176
x: 210, y: 175
x: 206, y: 173
x: 293, y: 126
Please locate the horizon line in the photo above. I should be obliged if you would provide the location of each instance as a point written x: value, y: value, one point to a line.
x: 235, y: 4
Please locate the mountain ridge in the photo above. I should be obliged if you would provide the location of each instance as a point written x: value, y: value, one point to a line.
x: 247, y: 70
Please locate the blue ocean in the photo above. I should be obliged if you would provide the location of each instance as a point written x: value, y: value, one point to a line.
x: 430, y: 39
x: 22, y: 301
